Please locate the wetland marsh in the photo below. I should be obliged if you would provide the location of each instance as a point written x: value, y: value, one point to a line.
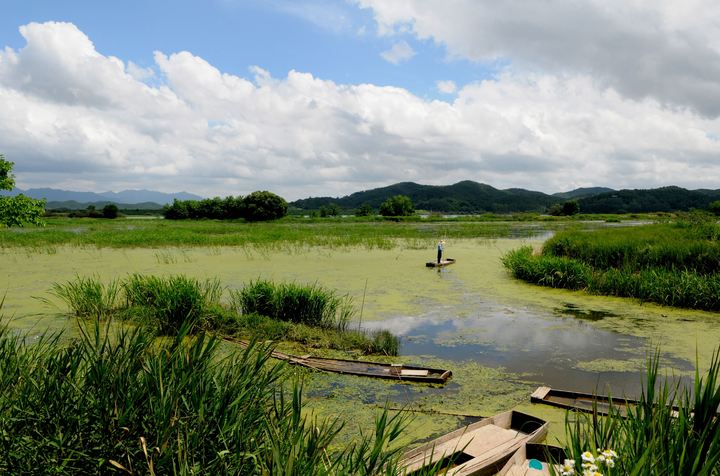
x: 501, y: 337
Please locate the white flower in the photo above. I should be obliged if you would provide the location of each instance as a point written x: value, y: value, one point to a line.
x: 588, y: 457
x: 610, y: 463
x: 568, y: 468
x: 587, y: 472
x: 610, y: 454
x: 601, y: 458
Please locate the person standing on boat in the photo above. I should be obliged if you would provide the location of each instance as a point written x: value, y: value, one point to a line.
x: 440, y: 247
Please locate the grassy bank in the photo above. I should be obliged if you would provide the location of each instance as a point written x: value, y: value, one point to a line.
x: 672, y: 430
x: 282, y: 234
x: 308, y: 314
x: 671, y: 264
x: 121, y: 402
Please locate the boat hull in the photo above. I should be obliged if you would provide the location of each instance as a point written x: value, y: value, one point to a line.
x: 478, y: 449
x: 441, y: 264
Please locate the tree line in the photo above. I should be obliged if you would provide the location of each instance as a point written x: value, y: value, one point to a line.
x: 257, y: 206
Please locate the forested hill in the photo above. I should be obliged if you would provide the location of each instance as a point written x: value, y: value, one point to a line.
x: 462, y: 197
x: 473, y: 197
x: 665, y: 199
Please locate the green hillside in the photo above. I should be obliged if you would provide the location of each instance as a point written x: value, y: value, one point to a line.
x: 462, y: 197
x: 665, y: 199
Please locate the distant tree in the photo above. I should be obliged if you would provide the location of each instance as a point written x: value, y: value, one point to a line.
x: 714, y: 207
x: 365, y: 210
x: 7, y: 179
x: 397, y: 206
x: 263, y: 205
x: 18, y: 210
x: 571, y: 207
x: 110, y: 211
x: 176, y: 211
x: 233, y: 207
x: 329, y: 210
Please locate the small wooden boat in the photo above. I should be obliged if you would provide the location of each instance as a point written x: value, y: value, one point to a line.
x: 445, y: 262
x: 402, y: 372
x: 481, y: 448
x: 583, y: 402
x: 534, y: 459
x: 586, y: 402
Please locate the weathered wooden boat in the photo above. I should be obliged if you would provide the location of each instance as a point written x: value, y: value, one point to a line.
x: 445, y: 262
x: 481, y: 448
x: 402, y: 372
x: 584, y: 402
x: 534, y: 459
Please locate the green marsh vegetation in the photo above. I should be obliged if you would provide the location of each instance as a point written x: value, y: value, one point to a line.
x: 122, y: 402
x: 308, y: 314
x: 672, y: 431
x: 288, y: 233
x: 675, y: 264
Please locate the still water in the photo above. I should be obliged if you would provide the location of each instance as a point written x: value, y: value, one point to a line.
x: 501, y: 337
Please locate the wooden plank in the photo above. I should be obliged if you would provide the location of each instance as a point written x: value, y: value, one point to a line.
x: 540, y: 393
x: 416, y: 373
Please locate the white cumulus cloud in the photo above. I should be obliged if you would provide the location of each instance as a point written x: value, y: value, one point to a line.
x: 661, y: 49
x: 72, y: 116
x: 399, y: 52
x: 446, y: 86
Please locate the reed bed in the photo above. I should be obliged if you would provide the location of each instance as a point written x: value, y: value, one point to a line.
x: 670, y: 264
x: 283, y: 234
x: 311, y: 314
x: 124, y: 403
x: 672, y: 431
x: 170, y: 302
x: 303, y: 304
x: 88, y: 296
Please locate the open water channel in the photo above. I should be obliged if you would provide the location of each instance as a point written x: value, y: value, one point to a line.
x: 501, y: 337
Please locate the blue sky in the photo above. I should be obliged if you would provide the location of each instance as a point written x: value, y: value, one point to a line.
x: 327, y: 97
x: 334, y: 40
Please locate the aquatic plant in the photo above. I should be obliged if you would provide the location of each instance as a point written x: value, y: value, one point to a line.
x: 170, y: 302
x: 304, y: 304
x: 88, y: 296
x: 127, y: 403
x: 672, y: 430
x: 670, y: 264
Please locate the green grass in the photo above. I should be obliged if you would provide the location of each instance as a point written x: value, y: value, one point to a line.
x: 674, y: 264
x: 286, y: 234
x: 263, y: 310
x: 171, y: 302
x: 303, y: 304
x: 88, y: 297
x: 672, y: 431
x: 124, y: 403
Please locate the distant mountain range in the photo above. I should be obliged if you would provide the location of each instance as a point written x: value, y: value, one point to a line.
x: 463, y: 197
x: 126, y: 197
x: 473, y: 197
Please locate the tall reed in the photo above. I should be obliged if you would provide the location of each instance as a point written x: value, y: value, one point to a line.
x: 672, y: 431
x: 309, y: 304
x: 128, y: 404
x: 171, y: 301
x: 88, y: 296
